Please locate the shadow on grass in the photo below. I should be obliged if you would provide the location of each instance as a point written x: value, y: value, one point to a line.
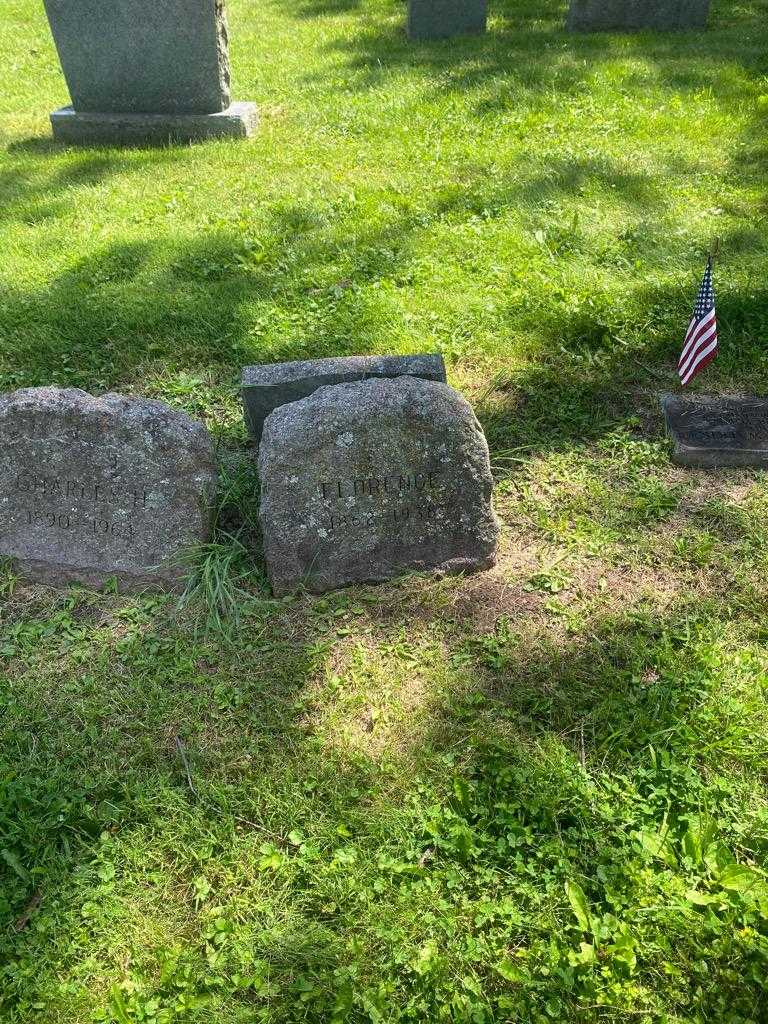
x: 528, y: 49
x: 31, y: 191
x: 591, y: 381
x: 496, y: 760
x: 310, y: 286
x: 203, y: 304
x: 304, y: 9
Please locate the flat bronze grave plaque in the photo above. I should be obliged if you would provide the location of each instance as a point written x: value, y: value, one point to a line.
x: 715, y: 431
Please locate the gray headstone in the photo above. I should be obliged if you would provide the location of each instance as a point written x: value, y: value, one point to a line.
x: 363, y: 482
x: 92, y: 488
x: 712, y: 431
x: 143, y: 56
x: 274, y: 384
x: 440, y: 19
x: 635, y: 15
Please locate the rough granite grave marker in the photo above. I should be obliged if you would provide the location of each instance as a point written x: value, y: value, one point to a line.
x: 365, y: 481
x: 440, y: 19
x: 635, y: 15
x: 92, y: 488
x: 274, y: 384
x: 143, y: 70
x: 712, y: 431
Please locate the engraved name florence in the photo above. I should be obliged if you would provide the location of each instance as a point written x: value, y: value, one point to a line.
x: 378, y: 486
x: 392, y: 500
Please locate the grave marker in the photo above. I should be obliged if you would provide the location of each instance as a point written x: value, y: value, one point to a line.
x: 92, y: 488
x: 441, y: 19
x: 145, y: 70
x: 635, y: 15
x: 362, y: 482
x: 712, y: 431
x: 271, y: 385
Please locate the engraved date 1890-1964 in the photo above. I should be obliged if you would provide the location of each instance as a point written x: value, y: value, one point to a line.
x: 96, y: 525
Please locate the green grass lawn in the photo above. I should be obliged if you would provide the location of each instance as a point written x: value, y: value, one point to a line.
x: 534, y: 795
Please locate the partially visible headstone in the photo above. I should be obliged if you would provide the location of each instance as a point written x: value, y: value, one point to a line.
x: 362, y: 482
x: 635, y: 15
x: 145, y: 70
x: 441, y: 19
x: 94, y: 488
x: 274, y: 384
x: 713, y: 431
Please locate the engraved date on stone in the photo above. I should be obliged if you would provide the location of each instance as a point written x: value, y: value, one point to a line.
x: 390, y: 519
x: 100, y: 527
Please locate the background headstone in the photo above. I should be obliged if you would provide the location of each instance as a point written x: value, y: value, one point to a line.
x: 440, y: 19
x: 635, y: 15
x: 364, y: 481
x: 92, y: 488
x: 148, y: 69
x: 271, y: 385
x: 712, y: 431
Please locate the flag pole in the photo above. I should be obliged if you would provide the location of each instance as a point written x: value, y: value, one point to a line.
x: 714, y: 248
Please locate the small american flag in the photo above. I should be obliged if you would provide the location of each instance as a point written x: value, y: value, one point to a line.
x: 700, y: 345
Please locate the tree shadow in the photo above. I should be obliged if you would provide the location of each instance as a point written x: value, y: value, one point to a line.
x: 594, y: 373
x: 306, y: 9
x: 201, y: 300
x: 527, y: 53
x: 32, y: 190
x: 524, y: 738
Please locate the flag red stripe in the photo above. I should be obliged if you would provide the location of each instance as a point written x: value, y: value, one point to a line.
x: 701, y: 350
x: 691, y: 328
x: 701, y: 366
x: 692, y: 339
x: 702, y: 359
x: 696, y: 330
x: 696, y: 348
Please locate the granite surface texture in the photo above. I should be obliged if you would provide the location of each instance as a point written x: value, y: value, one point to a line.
x: 271, y: 385
x: 143, y: 56
x: 441, y: 19
x: 77, y: 128
x: 365, y: 481
x: 95, y: 488
x: 635, y: 15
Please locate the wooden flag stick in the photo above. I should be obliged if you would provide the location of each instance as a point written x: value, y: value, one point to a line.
x: 714, y: 248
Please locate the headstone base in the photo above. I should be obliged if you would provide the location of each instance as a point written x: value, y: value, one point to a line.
x: 59, y: 574
x: 84, y: 128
